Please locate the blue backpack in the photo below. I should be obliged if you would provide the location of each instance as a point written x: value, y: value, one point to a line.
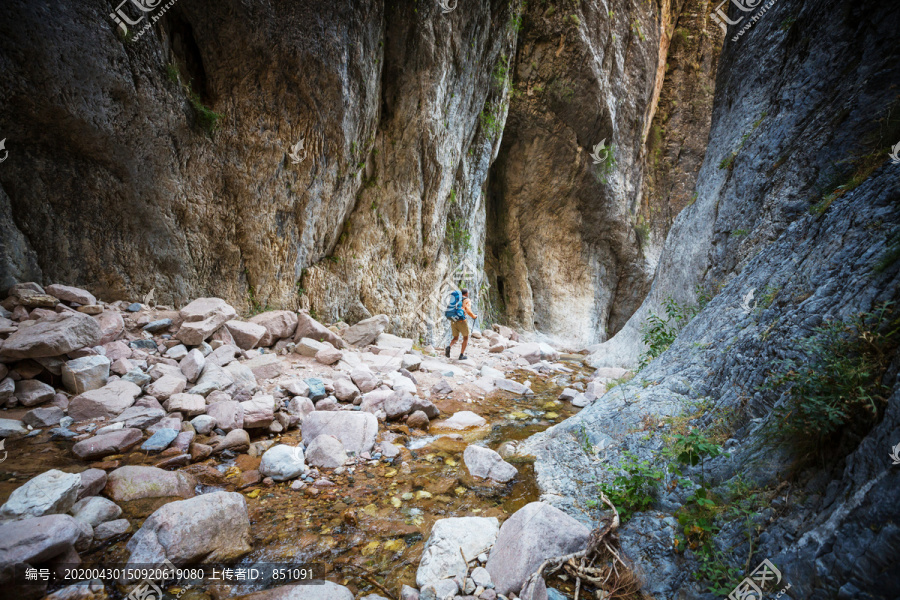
x: 454, y: 310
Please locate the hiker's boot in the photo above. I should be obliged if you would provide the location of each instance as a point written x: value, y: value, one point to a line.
x: 463, y: 357
x: 447, y: 351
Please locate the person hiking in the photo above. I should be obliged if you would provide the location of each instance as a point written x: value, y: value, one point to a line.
x: 457, y: 312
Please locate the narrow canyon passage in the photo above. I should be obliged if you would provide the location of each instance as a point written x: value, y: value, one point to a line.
x: 440, y: 300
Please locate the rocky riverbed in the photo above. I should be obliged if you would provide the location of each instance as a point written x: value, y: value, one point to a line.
x: 139, y: 434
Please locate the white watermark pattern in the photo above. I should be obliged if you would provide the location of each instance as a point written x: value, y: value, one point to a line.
x: 448, y: 5
x: 751, y: 588
x: 895, y: 454
x: 4, y: 451
x: 150, y: 298
x: 895, y: 153
x: 298, y: 153
x: 144, y: 8
x: 720, y: 16
x: 600, y: 153
x: 463, y: 275
x: 746, y: 300
x: 5, y: 151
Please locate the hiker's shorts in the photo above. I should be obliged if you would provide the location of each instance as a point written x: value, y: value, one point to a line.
x: 459, y: 328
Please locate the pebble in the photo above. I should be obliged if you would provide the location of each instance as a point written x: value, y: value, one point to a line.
x: 136, y: 307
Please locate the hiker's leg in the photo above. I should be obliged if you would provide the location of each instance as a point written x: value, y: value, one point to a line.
x: 453, y: 340
x: 465, y: 343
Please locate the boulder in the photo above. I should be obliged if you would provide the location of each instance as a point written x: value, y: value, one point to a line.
x: 426, y: 406
x: 452, y: 544
x: 387, y: 340
x: 259, y: 411
x: 213, y: 378
x: 463, y: 420
x: 307, y: 327
x: 110, y: 529
x: 300, y: 406
x: 441, y: 388
x: 201, y: 318
x: 279, y: 324
x: 355, y: 430
x: 535, y: 352
x: 107, y: 443
x: 85, y: 374
x: 51, y: 492
x: 237, y: 440
x: 364, y: 379
x: 7, y: 389
x: 316, y: 388
x: 112, y: 325
x: 39, y: 539
x: 166, y: 386
x: 282, y: 462
x: 140, y: 417
x: 531, y: 535
x: 243, y: 377
x: 229, y: 414
x: 52, y: 336
x: 324, y: 590
x: 345, y: 391
x: 366, y: 331
x: 137, y: 482
x: 48, y: 416
x: 245, y: 335
x: 92, y: 482
x: 177, y: 352
x: 12, y: 428
x: 192, y: 365
x: 398, y: 404
x: 70, y: 294
x: 158, y: 325
x: 95, y: 510
x: 187, y: 404
x: 160, y: 440
x: 31, y: 392
x: 401, y: 383
x: 582, y: 400
x: 308, y: 347
x: 265, y: 366
x: 487, y: 464
x: 203, y: 424
x: 296, y: 387
x: 329, y: 355
x: 209, y: 528
x: 410, y: 362
x: 373, y: 402
x: 418, y: 420
x: 108, y: 401
x: 508, y: 385
x: 445, y: 589
x: 223, y: 355
x: 326, y: 451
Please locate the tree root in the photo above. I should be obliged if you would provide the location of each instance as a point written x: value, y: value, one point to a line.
x: 369, y: 577
x: 612, y: 576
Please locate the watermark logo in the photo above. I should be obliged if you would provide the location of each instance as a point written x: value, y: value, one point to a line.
x: 448, y: 5
x: 5, y: 453
x: 895, y: 153
x: 600, y: 153
x: 297, y: 455
x: 5, y: 151
x: 298, y: 153
x: 751, y: 588
x: 746, y: 300
x: 148, y: 589
x: 464, y: 275
x: 895, y: 454
x: 144, y: 8
x: 720, y: 16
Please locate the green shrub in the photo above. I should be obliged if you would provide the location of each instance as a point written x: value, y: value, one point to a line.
x: 837, y: 384
x: 634, y: 490
x: 458, y: 237
x: 659, y: 332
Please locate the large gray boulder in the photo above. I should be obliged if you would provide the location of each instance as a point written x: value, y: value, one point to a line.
x: 71, y: 294
x: 307, y: 327
x: 86, y: 373
x: 12, y: 428
x: 190, y: 405
x: 452, y: 544
x: 51, y: 492
x: 213, y: 378
x: 31, y: 392
x: 211, y: 528
x: 366, y: 331
x: 324, y: 590
x: 37, y: 540
x: 105, y: 444
x: 355, y: 430
x: 229, y: 414
x: 531, y: 535
x: 283, y: 462
x: 326, y: 451
x: 487, y: 464
x: 259, y: 411
x: 108, y: 401
x: 137, y: 482
x: 245, y: 335
x: 201, y: 318
x: 279, y: 324
x: 95, y: 510
x: 45, y: 416
x: 53, y: 335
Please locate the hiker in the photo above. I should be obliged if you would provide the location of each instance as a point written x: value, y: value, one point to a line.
x: 457, y: 312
